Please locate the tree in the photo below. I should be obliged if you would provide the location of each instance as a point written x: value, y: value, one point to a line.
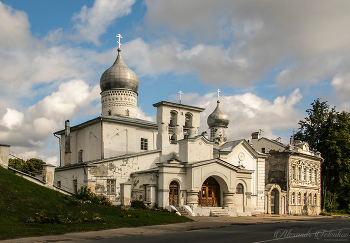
x: 328, y: 132
x: 29, y: 166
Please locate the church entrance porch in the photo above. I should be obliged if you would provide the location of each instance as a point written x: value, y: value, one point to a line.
x: 174, y: 193
x: 209, y: 196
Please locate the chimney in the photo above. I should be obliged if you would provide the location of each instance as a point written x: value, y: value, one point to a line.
x: 68, y: 156
x: 67, y: 137
x: 255, y: 135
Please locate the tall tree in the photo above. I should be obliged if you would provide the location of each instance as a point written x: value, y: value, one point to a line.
x: 26, y: 166
x: 328, y: 132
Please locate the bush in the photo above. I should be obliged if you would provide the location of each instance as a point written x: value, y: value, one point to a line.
x: 138, y: 204
x: 86, y: 195
x: 323, y: 213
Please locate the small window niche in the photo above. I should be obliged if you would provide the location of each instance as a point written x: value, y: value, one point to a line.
x: 80, y: 156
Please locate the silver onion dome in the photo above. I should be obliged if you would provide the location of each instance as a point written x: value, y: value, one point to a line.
x: 218, y: 118
x: 119, y: 76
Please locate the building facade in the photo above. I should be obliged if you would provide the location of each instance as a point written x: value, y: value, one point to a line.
x: 163, y: 163
x: 292, y: 178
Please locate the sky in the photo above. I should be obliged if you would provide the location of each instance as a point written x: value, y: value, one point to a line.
x: 270, y: 59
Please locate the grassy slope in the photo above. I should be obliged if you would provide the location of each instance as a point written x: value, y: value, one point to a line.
x: 21, y: 199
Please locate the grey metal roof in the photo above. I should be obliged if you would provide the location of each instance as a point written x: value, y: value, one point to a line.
x: 178, y: 105
x: 218, y: 118
x: 275, y: 142
x: 130, y: 120
x: 119, y: 76
x: 229, y: 146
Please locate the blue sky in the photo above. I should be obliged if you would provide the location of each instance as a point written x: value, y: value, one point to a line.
x: 270, y: 60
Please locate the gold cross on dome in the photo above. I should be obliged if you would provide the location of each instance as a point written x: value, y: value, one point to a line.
x: 119, y: 36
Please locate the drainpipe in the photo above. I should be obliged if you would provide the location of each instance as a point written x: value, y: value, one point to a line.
x: 59, y: 143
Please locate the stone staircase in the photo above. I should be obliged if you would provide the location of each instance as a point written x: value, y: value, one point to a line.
x: 217, y: 212
x: 182, y: 211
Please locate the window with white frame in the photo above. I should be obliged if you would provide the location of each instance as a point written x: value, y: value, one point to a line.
x: 110, y: 186
x: 299, y: 198
x: 293, y: 198
x: 144, y: 144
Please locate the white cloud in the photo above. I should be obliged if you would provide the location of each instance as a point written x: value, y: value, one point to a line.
x: 12, y: 118
x: 238, y: 42
x: 142, y: 115
x: 90, y: 23
x: 248, y: 113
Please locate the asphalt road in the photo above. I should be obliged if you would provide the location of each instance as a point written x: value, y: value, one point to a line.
x: 324, y: 230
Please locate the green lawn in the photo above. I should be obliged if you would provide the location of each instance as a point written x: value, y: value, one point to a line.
x: 22, y: 201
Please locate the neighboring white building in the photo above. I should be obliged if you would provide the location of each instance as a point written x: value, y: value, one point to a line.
x: 164, y: 163
x: 293, y: 176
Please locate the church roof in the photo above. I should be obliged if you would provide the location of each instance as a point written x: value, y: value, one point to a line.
x: 119, y: 76
x: 116, y: 119
x: 178, y: 105
x: 229, y: 146
x: 130, y: 120
x: 218, y: 118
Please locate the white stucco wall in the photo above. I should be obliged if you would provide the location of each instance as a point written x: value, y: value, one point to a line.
x: 258, y: 144
x: 87, y: 139
x: 119, y: 139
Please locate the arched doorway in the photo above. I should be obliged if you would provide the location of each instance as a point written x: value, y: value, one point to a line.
x: 209, y: 196
x: 275, y: 201
x: 174, y: 193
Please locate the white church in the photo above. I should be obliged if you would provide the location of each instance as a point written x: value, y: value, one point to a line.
x: 169, y: 162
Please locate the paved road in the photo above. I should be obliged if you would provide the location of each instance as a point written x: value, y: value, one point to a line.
x: 321, y: 230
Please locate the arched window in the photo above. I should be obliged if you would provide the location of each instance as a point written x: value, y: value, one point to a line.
x: 293, y: 172
x: 173, y: 119
x: 109, y: 112
x: 299, y: 198
x: 310, y: 197
x: 127, y: 113
x: 239, y: 189
x: 188, y: 120
x: 310, y: 174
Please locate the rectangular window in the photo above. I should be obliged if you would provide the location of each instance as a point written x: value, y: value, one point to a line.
x: 144, y: 144
x: 75, y: 186
x: 293, y: 172
x: 110, y: 186
x: 299, y: 174
x: 59, y: 184
x: 263, y: 150
x: 305, y: 174
x: 315, y: 176
x: 310, y: 175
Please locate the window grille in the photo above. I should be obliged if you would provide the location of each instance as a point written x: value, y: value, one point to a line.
x: 110, y: 186
x: 144, y: 144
